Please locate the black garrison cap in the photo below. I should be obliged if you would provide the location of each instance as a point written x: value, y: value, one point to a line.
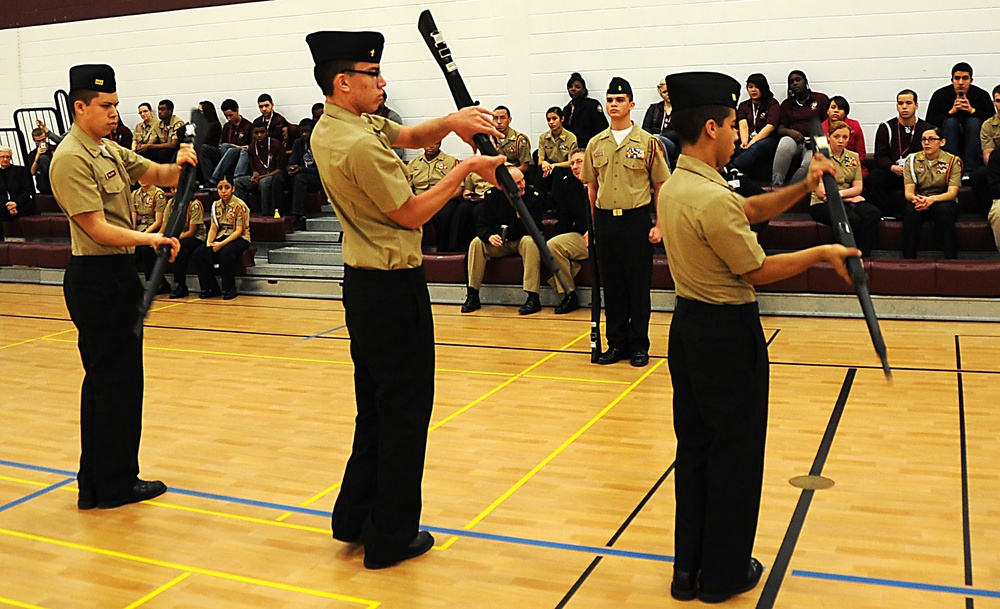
x: 93, y: 77
x: 693, y: 89
x: 620, y: 86
x: 350, y: 46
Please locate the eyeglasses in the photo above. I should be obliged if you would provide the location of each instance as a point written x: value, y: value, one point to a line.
x: 374, y: 72
x: 930, y: 139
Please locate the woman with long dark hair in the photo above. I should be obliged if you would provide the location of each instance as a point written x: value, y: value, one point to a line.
x: 758, y: 121
x: 214, y: 132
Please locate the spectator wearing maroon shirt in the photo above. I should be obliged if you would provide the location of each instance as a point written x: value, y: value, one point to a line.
x: 794, y: 122
x: 757, y: 119
x: 837, y: 111
x: 895, y: 139
x: 267, y: 164
x: 234, y: 140
x: 122, y: 135
x: 271, y: 120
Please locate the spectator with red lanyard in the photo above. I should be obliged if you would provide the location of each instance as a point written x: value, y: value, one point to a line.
x: 794, y: 122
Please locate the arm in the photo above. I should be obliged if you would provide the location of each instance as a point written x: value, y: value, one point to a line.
x: 96, y: 225
x: 233, y: 236
x: 166, y: 175
x: 465, y: 123
x: 783, y: 266
x: 654, y: 233
x: 768, y: 205
x: 744, y: 133
x: 157, y: 223
x: 852, y: 192
x: 418, y: 209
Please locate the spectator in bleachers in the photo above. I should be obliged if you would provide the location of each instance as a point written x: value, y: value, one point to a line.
x: 554, y: 147
x: 515, y: 145
x: 569, y: 245
x: 757, y: 119
x: 303, y: 173
x: 317, y: 111
x: 147, y: 132
x: 838, y: 110
x: 39, y: 160
x: 149, y: 203
x: 993, y: 179
x: 17, y: 193
x: 170, y: 127
x: 657, y: 122
x: 794, y: 118
x: 228, y: 237
x: 863, y: 217
x: 273, y: 122
x: 191, y: 237
x: 463, y: 222
x: 121, y: 135
x: 895, y: 140
x: 214, y: 132
x: 931, y: 180
x: 386, y: 112
x: 231, y: 157
x: 583, y: 115
x: 989, y: 138
x: 267, y: 171
x: 500, y: 234
x: 423, y: 173
x: 960, y: 109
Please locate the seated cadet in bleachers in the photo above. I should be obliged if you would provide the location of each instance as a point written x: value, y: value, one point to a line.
x: 191, y: 237
x: 228, y: 237
x: 149, y: 203
x: 386, y: 112
x: 147, y: 132
x: 896, y: 139
x: 569, y: 245
x: 863, y: 217
x: 303, y: 173
x: 794, y: 124
x: 838, y: 110
x: 993, y: 179
x: 554, y: 147
x: 231, y: 157
x: 757, y: 120
x: 267, y: 171
x: 501, y: 233
x: 39, y: 160
x: 656, y: 121
x: 515, y: 145
x: 423, y: 173
x: 273, y: 122
x: 463, y: 222
x: 959, y: 109
x: 931, y: 179
x: 169, y: 128
x: 989, y: 139
x: 17, y: 193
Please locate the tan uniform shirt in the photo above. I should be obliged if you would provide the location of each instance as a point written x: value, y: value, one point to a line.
x: 932, y: 177
x: 556, y: 149
x: 146, y: 204
x: 86, y: 177
x: 848, y: 170
x: 516, y: 147
x: 228, y: 217
x: 707, y: 235
x: 170, y: 132
x: 624, y: 172
x: 424, y: 174
x: 475, y: 183
x: 147, y: 133
x: 364, y: 179
x: 195, y: 215
x: 989, y: 137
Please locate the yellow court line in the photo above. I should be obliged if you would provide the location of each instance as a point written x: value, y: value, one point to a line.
x: 168, y: 306
x: 23, y: 481
x: 13, y: 603
x: 575, y: 380
x: 46, y: 337
x: 561, y: 448
x: 273, y: 523
x: 159, y: 590
x: 178, y: 567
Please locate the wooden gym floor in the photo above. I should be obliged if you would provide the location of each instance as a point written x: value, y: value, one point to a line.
x: 548, y: 481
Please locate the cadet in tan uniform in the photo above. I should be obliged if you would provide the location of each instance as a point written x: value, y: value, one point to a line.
x: 931, y: 179
x: 514, y: 145
x: 385, y: 298
x: 623, y: 162
x: 191, y: 237
x: 90, y: 180
x: 149, y: 205
x: 426, y: 170
x: 556, y: 144
x: 716, y: 352
x: 228, y: 238
x: 147, y: 132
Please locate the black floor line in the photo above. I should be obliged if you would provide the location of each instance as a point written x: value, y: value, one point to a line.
x: 966, y: 528
x: 614, y: 538
x: 780, y: 567
x: 773, y: 336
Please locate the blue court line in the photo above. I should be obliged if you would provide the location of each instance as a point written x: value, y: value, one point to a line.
x: 37, y: 468
x: 26, y: 498
x: 326, y: 332
x: 895, y: 583
x: 251, y: 502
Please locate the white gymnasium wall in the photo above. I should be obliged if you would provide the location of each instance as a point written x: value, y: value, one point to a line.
x: 513, y: 52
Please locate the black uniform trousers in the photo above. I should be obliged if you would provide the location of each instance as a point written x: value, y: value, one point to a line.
x: 625, y: 256
x: 879, y: 186
x: 205, y: 260
x: 863, y: 218
x: 392, y: 346
x: 188, y: 247
x: 719, y: 370
x: 146, y: 257
x: 102, y: 295
x: 943, y: 214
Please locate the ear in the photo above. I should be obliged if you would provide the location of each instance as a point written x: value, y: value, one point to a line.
x: 340, y: 83
x: 712, y: 129
x: 78, y: 106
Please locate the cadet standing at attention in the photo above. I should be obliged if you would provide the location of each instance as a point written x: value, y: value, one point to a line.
x: 386, y: 303
x: 623, y: 162
x: 716, y: 352
x: 90, y: 180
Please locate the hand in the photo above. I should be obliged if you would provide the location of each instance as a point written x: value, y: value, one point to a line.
x: 819, y: 165
x: 496, y: 241
x: 896, y: 169
x: 795, y: 135
x: 41, y: 125
x: 484, y: 166
x: 186, y: 154
x: 744, y: 145
x: 141, y: 147
x: 654, y: 234
x: 586, y: 239
x: 156, y: 240
x: 255, y: 177
x: 12, y: 208
x: 546, y: 169
x: 293, y: 169
x: 471, y: 121
x: 821, y: 191
x: 215, y: 245
x: 837, y: 255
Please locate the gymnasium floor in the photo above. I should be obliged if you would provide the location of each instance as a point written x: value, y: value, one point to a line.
x: 548, y: 481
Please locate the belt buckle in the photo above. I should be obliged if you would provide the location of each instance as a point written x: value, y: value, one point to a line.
x: 616, y: 212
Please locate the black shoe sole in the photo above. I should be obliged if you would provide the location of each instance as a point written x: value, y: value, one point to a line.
x: 411, y: 552
x: 712, y: 598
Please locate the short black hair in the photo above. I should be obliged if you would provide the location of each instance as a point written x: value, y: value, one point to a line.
x: 169, y: 104
x: 264, y: 97
x: 317, y: 106
x: 324, y: 73
x: 84, y: 95
x: 504, y: 108
x: 842, y: 103
x: 306, y: 123
x: 689, y: 122
x: 907, y: 92
x: 259, y: 126
x: 555, y: 110
x: 147, y: 104
x: 937, y: 131
x: 996, y: 89
x: 961, y: 67
x: 230, y: 104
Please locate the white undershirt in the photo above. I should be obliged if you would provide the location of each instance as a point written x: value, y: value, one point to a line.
x: 620, y: 135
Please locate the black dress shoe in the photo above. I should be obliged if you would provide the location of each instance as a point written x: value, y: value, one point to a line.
x: 179, y: 292
x: 683, y: 587
x: 164, y: 289
x: 230, y: 294
x: 140, y: 491
x: 531, y: 306
x: 612, y: 355
x: 471, y: 302
x: 754, y: 571
x: 209, y: 294
x: 569, y: 303
x: 85, y: 500
x: 299, y: 224
x: 639, y: 359
x: 420, y: 544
